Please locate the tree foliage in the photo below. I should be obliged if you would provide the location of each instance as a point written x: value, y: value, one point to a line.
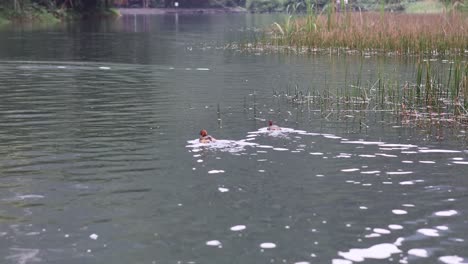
x: 19, y: 6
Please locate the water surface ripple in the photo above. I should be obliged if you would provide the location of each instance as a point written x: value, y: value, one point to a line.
x: 100, y: 162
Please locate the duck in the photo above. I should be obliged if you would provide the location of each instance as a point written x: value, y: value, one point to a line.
x: 272, y: 127
x: 205, y: 138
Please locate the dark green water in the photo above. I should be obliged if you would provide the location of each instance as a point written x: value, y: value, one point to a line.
x: 96, y: 167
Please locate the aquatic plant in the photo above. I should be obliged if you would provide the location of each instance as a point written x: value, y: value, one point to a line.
x: 434, y: 97
x: 396, y: 33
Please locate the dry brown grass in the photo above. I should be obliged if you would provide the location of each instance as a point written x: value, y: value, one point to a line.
x: 389, y: 32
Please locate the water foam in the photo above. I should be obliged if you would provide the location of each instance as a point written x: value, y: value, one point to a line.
x: 453, y: 260
x: 379, y: 251
x: 429, y: 232
x: 220, y: 145
x: 213, y: 243
x: 222, y: 189
x: 267, y: 245
x: 446, y: 213
x: 418, y: 252
x: 215, y: 171
x: 438, y: 151
x: 238, y: 228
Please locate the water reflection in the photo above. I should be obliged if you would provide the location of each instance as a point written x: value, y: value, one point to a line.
x: 99, y: 161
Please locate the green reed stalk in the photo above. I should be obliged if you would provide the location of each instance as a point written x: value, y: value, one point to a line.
x: 464, y: 87
x: 457, y: 78
x: 382, y: 11
x: 311, y: 26
x: 448, y: 83
x: 428, y: 86
x: 330, y: 14
x: 419, y: 82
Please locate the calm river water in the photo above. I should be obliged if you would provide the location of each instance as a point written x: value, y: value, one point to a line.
x: 99, y: 161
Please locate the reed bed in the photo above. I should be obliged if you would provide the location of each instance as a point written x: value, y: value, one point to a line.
x: 434, y: 97
x: 398, y: 33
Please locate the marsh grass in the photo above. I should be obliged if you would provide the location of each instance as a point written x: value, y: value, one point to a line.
x: 435, y: 97
x: 398, y: 33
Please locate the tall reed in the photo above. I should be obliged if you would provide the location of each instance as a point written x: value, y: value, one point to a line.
x: 386, y: 32
x: 428, y: 97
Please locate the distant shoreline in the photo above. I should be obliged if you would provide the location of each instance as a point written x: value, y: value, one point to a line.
x: 159, y: 11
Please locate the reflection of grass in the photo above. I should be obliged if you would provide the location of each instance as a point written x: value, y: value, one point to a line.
x: 7, y: 218
x: 3, y: 21
x: 424, y: 7
x: 30, y: 14
x: 3, y: 18
x: 375, y: 32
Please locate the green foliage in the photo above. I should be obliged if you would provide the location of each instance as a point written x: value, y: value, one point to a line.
x: 27, y: 11
x: 424, y: 7
x: 266, y: 5
x: 51, y: 11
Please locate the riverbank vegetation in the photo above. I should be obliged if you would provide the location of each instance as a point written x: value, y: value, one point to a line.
x: 407, y: 6
x: 396, y: 33
x: 434, y: 35
x: 50, y: 10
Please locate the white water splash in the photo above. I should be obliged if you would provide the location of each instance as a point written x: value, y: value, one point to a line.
x: 341, y: 261
x: 221, y: 145
x: 446, y: 213
x: 363, y: 142
x: 223, y: 190
x: 367, y: 156
x: 386, y: 155
x: 280, y: 149
x: 370, y: 172
x: 24, y: 197
x: 381, y: 231
x: 213, y: 243
x: 399, y: 212
x: 215, y: 171
x: 407, y: 183
x: 398, y: 145
x: 316, y: 153
x: 438, y: 151
x: 398, y: 172
x: 350, y: 170
x: 267, y: 245
x: 429, y: 232
x: 238, y: 228
x: 379, y: 251
x: 283, y: 132
x: 453, y: 260
x: 418, y: 252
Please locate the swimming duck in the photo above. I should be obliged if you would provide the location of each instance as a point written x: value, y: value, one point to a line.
x: 205, y: 138
x: 273, y: 127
